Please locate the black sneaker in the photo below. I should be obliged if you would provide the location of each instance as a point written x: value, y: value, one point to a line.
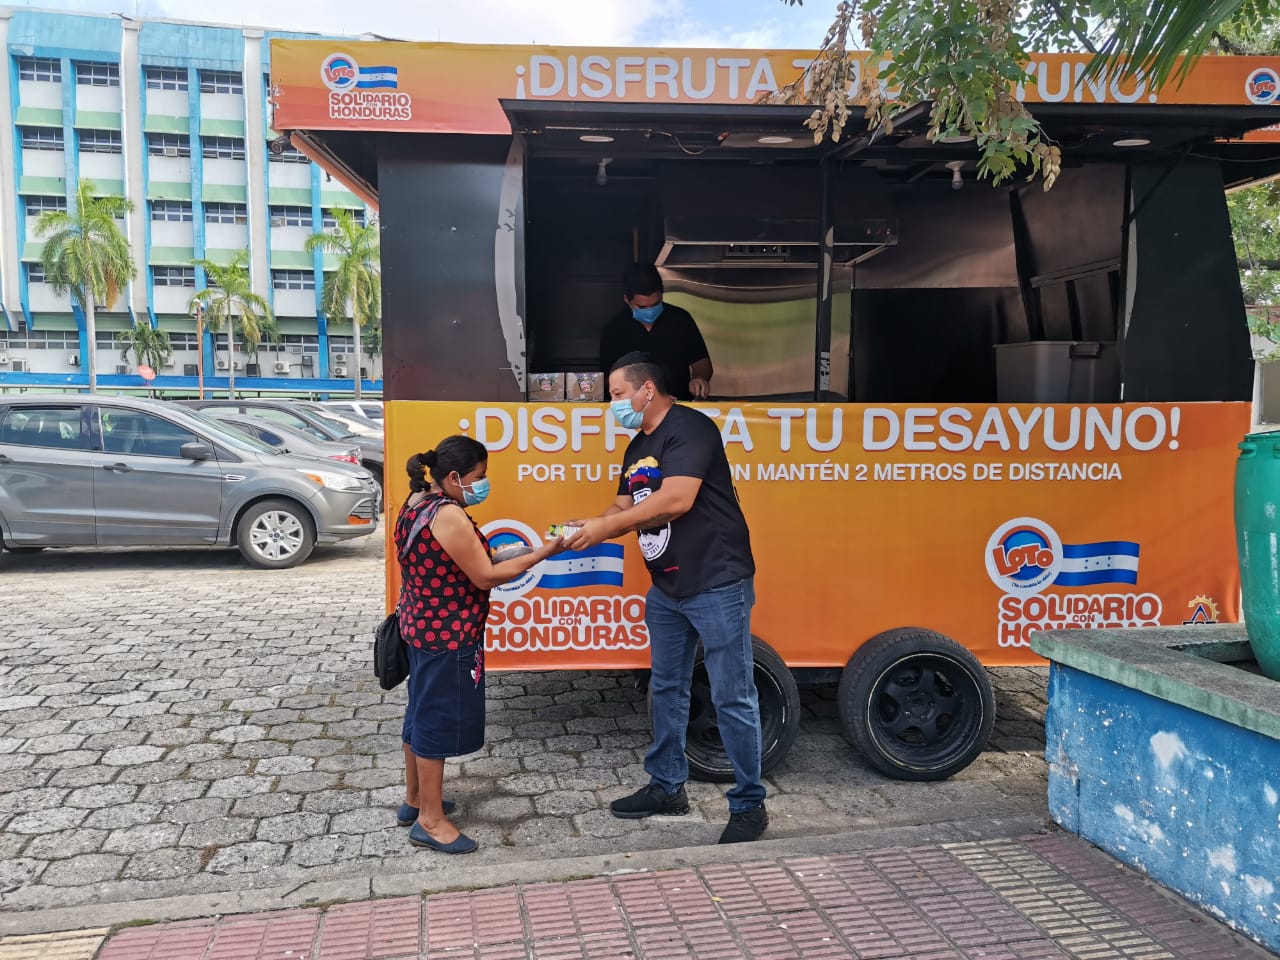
x: 647, y: 801
x: 746, y: 826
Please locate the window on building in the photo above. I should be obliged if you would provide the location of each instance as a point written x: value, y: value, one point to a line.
x: 35, y: 273
x: 220, y: 81
x: 293, y: 280
x: 40, y: 68
x: 226, y: 213
x: 166, y: 78
x: 100, y: 141
x: 173, y: 276
x: 329, y: 221
x: 41, y: 138
x: 39, y: 205
x: 288, y: 154
x: 168, y: 145
x: 222, y: 148
x: 171, y: 211
x: 291, y: 216
x: 98, y: 74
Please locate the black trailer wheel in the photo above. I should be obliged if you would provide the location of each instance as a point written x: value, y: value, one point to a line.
x: 779, y: 716
x: 916, y: 704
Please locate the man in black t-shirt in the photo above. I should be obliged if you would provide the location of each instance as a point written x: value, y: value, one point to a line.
x: 676, y: 491
x: 660, y: 329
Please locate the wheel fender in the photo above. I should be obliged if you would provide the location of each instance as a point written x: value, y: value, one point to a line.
x: 228, y: 534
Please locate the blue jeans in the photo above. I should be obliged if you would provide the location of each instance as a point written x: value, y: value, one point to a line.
x: 721, y: 618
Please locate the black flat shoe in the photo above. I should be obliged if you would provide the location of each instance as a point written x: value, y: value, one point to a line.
x: 406, y: 815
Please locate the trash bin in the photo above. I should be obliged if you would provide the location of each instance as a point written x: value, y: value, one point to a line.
x: 1257, y: 509
x: 1057, y: 371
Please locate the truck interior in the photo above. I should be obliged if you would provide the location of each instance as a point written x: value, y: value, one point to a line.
x: 877, y: 269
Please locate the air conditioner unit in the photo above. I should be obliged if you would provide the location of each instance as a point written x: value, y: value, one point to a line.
x: 4, y: 358
x: 364, y: 373
x: 122, y: 368
x: 282, y: 366
x: 221, y: 363
x: 339, y: 371
x: 190, y: 370
x: 73, y: 359
x: 295, y: 348
x: 167, y: 365
x: 19, y: 366
x: 308, y: 360
x: 237, y: 365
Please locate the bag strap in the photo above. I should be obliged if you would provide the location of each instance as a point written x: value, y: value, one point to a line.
x: 423, y: 520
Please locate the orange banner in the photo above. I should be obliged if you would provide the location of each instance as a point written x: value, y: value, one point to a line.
x: 980, y: 522
x: 454, y: 88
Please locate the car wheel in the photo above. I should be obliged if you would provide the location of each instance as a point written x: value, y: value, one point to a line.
x: 916, y: 704
x: 275, y: 534
x: 779, y: 699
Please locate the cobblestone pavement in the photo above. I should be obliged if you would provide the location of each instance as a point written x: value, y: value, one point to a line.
x: 174, y: 722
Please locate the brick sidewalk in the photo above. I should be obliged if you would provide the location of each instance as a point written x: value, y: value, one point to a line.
x: 1039, y: 898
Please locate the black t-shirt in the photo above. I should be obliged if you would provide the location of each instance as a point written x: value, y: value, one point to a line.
x: 708, y: 546
x: 674, y: 340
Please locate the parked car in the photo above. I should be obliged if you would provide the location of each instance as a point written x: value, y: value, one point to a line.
x: 302, y: 418
x: 372, y: 409
x: 81, y: 471
x: 359, y: 425
x: 288, y: 439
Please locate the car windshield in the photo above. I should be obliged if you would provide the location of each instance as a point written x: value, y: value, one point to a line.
x: 229, y: 434
x: 337, y: 426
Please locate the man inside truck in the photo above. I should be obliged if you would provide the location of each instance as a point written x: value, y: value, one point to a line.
x: 662, y: 330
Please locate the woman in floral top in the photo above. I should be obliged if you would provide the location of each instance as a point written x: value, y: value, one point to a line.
x: 446, y: 575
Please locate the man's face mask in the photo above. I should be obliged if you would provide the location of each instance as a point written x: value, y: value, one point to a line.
x: 647, y: 315
x: 628, y: 417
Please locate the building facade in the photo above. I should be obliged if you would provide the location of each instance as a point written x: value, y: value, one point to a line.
x: 175, y: 117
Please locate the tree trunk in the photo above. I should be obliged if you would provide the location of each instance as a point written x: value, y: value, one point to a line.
x: 231, y: 363
x: 355, y: 323
x: 200, y: 352
x: 91, y: 331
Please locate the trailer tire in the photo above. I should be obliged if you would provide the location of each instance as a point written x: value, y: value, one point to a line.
x: 916, y: 704
x: 779, y: 699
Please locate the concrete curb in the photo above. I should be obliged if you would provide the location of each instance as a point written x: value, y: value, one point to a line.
x: 368, y: 886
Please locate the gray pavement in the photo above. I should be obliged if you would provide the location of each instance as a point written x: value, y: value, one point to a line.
x: 174, y: 724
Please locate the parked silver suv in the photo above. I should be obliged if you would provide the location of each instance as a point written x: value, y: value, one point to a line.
x: 80, y: 471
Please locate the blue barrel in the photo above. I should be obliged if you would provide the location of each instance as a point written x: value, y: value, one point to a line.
x: 1257, y: 503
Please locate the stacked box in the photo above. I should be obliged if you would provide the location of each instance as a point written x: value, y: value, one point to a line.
x: 547, y: 387
x: 584, y: 387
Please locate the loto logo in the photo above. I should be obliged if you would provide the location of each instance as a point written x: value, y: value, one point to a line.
x: 1024, y: 556
x: 1263, y: 86
x: 505, y: 533
x: 340, y: 72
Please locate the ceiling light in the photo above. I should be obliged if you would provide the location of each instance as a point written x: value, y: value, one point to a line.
x: 595, y: 138
x: 957, y: 178
x: 1131, y: 142
x: 775, y: 140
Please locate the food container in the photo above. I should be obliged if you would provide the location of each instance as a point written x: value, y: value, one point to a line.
x: 584, y: 387
x: 546, y: 386
x: 510, y: 551
x: 561, y: 530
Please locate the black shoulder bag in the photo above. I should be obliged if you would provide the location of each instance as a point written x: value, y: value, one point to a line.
x: 390, y: 659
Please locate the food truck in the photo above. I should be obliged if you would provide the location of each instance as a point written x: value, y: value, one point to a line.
x: 955, y: 414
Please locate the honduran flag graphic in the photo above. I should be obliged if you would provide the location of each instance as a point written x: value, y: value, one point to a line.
x: 372, y: 77
x: 1088, y: 564
x: 597, y: 566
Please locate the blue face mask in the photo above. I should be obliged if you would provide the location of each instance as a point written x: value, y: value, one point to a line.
x: 628, y: 417
x: 474, y: 494
x: 647, y: 315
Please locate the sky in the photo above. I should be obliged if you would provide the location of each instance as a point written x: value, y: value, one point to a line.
x: 768, y: 24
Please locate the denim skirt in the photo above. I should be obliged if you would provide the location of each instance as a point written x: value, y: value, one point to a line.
x: 445, y: 713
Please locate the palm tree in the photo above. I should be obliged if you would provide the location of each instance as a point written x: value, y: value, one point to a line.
x: 149, y: 345
x: 354, y: 287
x: 229, y: 303
x: 87, y: 254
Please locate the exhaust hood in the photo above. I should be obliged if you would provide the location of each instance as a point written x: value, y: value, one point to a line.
x: 768, y: 216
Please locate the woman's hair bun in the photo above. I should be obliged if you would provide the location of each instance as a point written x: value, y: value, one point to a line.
x: 429, y: 459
